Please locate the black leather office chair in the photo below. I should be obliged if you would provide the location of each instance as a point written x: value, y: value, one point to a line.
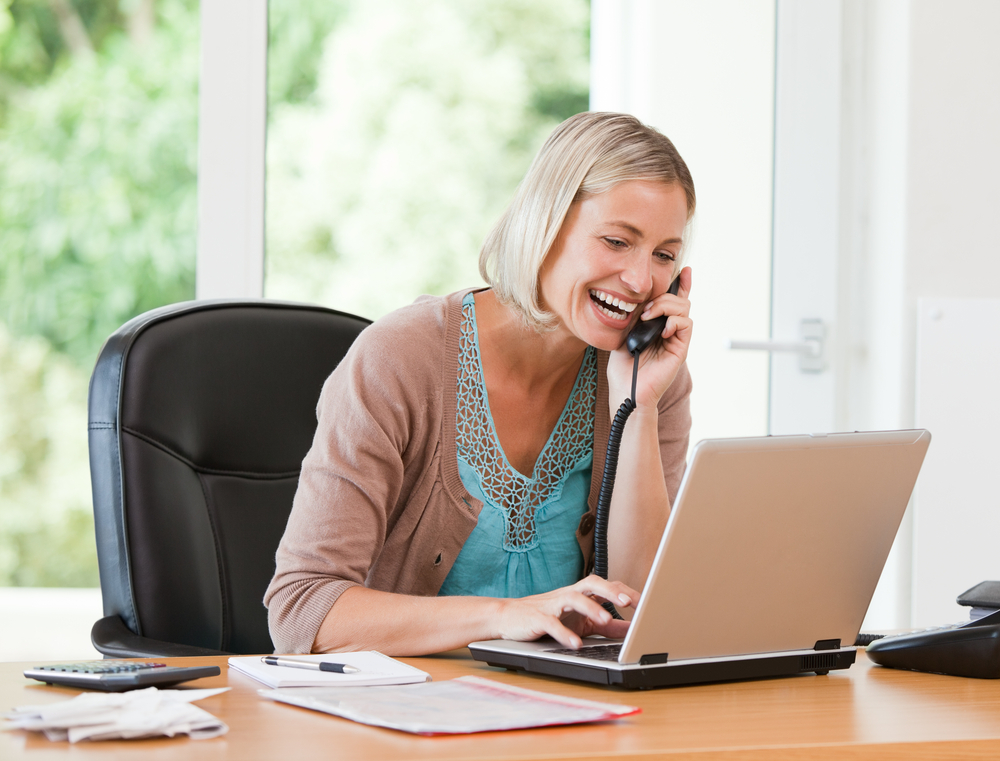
x: 200, y: 414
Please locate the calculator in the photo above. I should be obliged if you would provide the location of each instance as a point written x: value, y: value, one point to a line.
x: 118, y: 676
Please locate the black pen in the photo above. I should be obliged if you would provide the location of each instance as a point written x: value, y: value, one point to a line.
x: 295, y: 663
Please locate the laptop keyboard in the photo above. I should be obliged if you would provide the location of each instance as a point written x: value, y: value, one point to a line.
x: 595, y: 652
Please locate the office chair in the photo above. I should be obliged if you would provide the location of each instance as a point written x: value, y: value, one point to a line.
x: 200, y: 414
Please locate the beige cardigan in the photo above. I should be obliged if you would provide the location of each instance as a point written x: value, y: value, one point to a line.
x: 380, y: 502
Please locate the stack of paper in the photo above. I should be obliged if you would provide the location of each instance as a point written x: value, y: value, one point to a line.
x: 127, y: 715
x: 373, y: 668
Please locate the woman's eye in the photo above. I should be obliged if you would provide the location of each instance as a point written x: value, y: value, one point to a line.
x: 615, y: 243
x: 665, y: 256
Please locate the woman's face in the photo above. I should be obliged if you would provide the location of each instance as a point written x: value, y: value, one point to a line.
x: 615, y: 251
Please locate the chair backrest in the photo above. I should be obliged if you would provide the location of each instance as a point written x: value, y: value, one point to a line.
x: 199, y: 417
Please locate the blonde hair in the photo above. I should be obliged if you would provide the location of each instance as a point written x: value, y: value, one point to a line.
x: 587, y: 154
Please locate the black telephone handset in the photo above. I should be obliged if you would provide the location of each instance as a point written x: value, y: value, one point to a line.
x: 645, y: 332
x: 640, y: 337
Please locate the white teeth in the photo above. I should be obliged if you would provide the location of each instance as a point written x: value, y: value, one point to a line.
x: 626, y: 306
x: 614, y: 315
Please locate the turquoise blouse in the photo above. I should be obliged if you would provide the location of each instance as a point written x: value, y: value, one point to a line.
x: 525, y: 540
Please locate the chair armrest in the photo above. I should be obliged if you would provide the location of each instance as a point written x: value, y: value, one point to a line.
x: 112, y: 638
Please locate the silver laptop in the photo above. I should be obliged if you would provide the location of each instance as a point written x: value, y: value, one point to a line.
x: 766, y: 567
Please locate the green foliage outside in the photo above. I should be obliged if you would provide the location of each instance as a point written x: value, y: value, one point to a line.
x: 397, y: 132
x: 98, y: 194
x: 98, y: 189
x: 46, y: 529
x: 383, y: 182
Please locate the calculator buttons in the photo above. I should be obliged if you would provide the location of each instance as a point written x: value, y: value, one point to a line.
x: 101, y: 667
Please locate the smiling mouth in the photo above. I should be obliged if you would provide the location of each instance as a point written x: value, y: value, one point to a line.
x: 615, y: 308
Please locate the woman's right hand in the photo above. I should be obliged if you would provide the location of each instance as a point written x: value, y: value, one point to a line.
x: 567, y: 614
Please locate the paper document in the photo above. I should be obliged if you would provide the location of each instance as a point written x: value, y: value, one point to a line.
x: 122, y: 716
x: 373, y: 668
x: 457, y: 706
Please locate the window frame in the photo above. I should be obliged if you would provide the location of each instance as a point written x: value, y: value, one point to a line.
x: 232, y: 131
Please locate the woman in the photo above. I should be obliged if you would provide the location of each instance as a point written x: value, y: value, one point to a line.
x: 449, y: 494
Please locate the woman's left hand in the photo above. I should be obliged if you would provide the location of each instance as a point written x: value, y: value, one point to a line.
x: 660, y: 363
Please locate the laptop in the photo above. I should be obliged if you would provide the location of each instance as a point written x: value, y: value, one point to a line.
x: 766, y: 567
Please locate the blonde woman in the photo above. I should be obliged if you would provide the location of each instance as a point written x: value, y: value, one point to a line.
x: 450, y: 491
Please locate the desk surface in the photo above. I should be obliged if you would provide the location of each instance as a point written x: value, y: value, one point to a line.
x: 865, y: 712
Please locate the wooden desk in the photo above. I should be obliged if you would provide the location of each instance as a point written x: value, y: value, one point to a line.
x: 865, y: 712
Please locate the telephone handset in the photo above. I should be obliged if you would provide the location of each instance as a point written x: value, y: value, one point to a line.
x: 639, y: 338
x: 645, y: 332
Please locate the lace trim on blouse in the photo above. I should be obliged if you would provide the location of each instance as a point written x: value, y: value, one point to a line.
x: 518, y: 496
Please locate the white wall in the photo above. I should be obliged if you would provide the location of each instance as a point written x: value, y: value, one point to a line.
x: 952, y: 250
x: 703, y: 74
x: 958, y: 508
x: 953, y: 238
x: 920, y: 116
x: 923, y: 158
x: 918, y: 194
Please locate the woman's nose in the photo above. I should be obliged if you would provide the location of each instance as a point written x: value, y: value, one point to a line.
x: 637, y: 274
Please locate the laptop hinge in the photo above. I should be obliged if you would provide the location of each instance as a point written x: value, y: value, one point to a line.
x: 650, y: 660
x: 827, y: 644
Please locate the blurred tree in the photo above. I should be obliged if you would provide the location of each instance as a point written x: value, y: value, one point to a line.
x: 383, y: 183
x: 98, y: 188
x: 36, y: 36
x: 297, y: 30
x: 98, y: 155
x: 46, y: 527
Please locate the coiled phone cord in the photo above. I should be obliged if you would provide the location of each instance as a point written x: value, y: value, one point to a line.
x: 642, y: 334
x: 608, y: 486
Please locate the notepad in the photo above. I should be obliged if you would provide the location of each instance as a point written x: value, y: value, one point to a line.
x: 374, y: 668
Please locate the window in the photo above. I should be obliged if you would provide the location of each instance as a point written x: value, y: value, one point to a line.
x: 397, y: 132
x: 98, y: 216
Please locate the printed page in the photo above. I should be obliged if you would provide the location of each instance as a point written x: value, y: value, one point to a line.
x: 458, y: 706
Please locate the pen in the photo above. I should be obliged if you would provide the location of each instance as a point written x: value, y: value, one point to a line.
x: 295, y: 663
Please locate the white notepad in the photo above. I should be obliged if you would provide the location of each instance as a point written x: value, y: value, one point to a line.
x: 373, y: 668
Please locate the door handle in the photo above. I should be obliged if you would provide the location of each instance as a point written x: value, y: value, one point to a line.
x: 810, y: 347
